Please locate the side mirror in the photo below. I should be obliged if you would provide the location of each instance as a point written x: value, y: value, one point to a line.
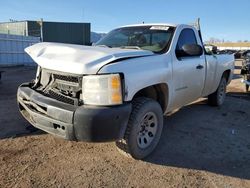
x: 189, y: 50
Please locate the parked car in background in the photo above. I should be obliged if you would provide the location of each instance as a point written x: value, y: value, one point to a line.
x: 211, y: 48
x: 237, y: 54
x: 227, y: 51
x: 245, y: 71
x: 245, y: 53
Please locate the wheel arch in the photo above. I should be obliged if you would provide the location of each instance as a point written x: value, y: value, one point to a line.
x: 158, y: 92
x: 227, y: 74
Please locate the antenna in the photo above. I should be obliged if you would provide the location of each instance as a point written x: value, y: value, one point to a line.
x: 196, y: 24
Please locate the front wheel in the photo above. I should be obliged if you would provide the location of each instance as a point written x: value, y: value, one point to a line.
x: 144, y: 128
x: 218, y: 97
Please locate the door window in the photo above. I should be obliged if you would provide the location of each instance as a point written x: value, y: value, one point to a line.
x: 187, y: 36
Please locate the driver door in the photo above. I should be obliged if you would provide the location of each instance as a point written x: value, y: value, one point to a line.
x: 188, y: 71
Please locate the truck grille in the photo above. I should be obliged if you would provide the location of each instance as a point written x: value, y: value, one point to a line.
x: 60, y: 86
x: 66, y: 78
x: 61, y: 98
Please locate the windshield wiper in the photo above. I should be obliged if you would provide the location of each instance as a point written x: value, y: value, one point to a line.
x: 130, y: 47
x: 103, y: 45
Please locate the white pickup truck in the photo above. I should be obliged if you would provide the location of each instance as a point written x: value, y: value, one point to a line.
x: 120, y: 88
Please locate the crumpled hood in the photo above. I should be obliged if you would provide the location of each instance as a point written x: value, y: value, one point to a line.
x: 78, y: 59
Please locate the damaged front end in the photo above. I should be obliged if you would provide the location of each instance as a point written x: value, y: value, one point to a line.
x: 53, y: 103
x: 60, y: 86
x: 49, y: 102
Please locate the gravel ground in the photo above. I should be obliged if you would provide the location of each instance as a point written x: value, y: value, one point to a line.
x: 201, y: 146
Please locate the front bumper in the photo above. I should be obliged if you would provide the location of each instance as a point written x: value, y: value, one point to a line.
x: 81, y: 123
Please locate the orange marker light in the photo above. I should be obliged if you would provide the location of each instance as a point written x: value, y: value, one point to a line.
x: 115, y: 82
x: 116, y: 97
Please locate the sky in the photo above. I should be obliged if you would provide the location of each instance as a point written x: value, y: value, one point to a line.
x: 222, y: 19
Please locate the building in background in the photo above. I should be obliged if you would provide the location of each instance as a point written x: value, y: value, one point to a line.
x: 233, y: 45
x: 72, y: 33
x: 15, y: 36
x: 12, y: 49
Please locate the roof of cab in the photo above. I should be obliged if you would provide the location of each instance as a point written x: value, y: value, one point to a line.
x: 151, y: 24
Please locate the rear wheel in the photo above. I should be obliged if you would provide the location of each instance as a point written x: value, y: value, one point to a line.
x: 218, y: 97
x: 144, y: 128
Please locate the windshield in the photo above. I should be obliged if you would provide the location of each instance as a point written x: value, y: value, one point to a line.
x: 153, y: 38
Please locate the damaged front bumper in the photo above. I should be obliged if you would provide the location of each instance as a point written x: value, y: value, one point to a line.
x: 81, y: 123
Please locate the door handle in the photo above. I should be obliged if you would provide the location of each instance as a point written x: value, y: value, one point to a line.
x: 199, y: 67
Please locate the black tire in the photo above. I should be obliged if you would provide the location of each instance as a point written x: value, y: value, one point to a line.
x: 134, y: 143
x: 247, y: 88
x: 217, y: 98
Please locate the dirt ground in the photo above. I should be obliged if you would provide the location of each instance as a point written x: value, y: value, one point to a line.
x: 201, y: 146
